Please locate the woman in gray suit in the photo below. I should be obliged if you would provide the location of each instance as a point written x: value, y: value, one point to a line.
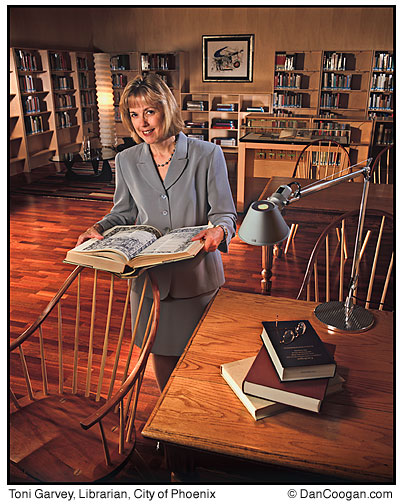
x: 169, y: 181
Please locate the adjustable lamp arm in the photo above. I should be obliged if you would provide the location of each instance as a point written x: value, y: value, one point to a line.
x: 285, y: 196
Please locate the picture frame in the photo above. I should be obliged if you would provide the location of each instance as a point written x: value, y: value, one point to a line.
x: 228, y: 58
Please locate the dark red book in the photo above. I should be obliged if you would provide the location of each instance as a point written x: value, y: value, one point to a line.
x: 262, y: 381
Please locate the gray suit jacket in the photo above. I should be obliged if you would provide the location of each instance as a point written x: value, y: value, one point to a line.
x: 195, y: 191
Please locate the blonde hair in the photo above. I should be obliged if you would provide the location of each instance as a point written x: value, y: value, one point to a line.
x: 155, y: 92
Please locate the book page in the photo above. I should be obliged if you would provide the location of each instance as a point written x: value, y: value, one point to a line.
x: 126, y: 240
x: 178, y: 240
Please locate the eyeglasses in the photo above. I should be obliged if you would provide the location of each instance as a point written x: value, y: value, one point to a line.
x: 290, y: 335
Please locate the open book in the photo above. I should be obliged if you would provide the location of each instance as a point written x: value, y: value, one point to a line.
x: 125, y: 249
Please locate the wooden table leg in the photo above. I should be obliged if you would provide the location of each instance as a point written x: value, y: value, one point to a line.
x: 267, y: 265
x: 181, y: 463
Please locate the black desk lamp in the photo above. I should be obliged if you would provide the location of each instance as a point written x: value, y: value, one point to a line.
x: 265, y: 226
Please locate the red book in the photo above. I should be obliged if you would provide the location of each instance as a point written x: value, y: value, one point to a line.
x: 262, y: 381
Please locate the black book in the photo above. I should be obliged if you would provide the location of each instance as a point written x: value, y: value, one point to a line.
x: 296, y: 350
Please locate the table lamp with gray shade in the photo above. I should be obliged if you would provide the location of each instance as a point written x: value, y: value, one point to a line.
x: 264, y: 225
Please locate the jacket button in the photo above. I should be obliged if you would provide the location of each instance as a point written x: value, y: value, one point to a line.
x: 163, y: 196
x: 164, y: 212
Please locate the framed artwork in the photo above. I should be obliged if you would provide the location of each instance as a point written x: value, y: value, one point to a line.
x: 228, y: 58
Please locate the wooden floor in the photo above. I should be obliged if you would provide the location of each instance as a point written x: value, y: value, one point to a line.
x: 42, y: 229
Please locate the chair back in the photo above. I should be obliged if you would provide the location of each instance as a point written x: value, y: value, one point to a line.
x: 383, y: 166
x: 73, y: 369
x: 322, y: 158
x: 327, y: 276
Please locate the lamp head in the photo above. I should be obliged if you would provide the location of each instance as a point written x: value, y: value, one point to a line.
x: 263, y: 224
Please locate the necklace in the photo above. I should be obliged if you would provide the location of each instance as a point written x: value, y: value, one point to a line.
x: 169, y: 159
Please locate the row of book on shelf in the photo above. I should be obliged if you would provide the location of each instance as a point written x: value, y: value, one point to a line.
x: 60, y: 61
x: 287, y: 80
x: 64, y: 101
x: 293, y: 368
x: 26, y: 61
x: 331, y: 100
x: 384, y: 135
x: 223, y: 141
x: 334, y: 61
x: 82, y: 63
x: 31, y: 104
x: 337, y: 81
x: 83, y: 80
x: 33, y: 124
x: 382, y: 82
x: 158, y: 62
x: 62, y: 82
x: 380, y: 101
x: 285, y: 61
x: 201, y: 106
x: 287, y: 99
x: 384, y: 61
x: 87, y: 98
x: 89, y: 115
x: 119, y: 80
x: 63, y: 120
x: 28, y: 83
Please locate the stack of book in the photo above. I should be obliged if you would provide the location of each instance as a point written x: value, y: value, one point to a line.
x: 226, y: 107
x: 293, y: 368
x: 255, y: 109
x: 196, y: 124
x: 224, y: 124
x: 224, y: 141
x: 194, y: 105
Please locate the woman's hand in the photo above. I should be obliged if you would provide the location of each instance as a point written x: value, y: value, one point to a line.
x: 212, y: 237
x: 92, y: 232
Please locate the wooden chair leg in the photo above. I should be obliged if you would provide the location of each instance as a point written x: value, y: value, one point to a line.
x: 291, y: 236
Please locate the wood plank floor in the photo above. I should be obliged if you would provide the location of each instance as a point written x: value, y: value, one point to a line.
x: 42, y: 229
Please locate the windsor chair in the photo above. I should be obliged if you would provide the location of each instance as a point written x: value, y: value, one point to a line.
x: 77, y: 377
x: 320, y: 159
x: 329, y: 267
x: 382, y: 168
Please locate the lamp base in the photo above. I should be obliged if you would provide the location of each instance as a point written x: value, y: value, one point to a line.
x: 333, y: 315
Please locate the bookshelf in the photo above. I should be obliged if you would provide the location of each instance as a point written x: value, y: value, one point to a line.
x: 381, y: 104
x: 218, y: 117
x: 344, y: 84
x: 172, y: 67
x: 381, y: 100
x: 125, y: 66
x: 224, y: 120
x: 32, y: 139
x: 296, y: 83
x: 18, y: 160
x: 195, y: 113
x: 65, y: 93
x: 83, y: 68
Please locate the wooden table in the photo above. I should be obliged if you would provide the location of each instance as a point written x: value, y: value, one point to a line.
x: 351, y: 438
x: 334, y: 200
x: 337, y: 199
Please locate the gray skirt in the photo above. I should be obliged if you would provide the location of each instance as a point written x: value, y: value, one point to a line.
x: 178, y: 319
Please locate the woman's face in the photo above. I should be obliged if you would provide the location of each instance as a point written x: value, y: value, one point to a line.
x: 147, y: 120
